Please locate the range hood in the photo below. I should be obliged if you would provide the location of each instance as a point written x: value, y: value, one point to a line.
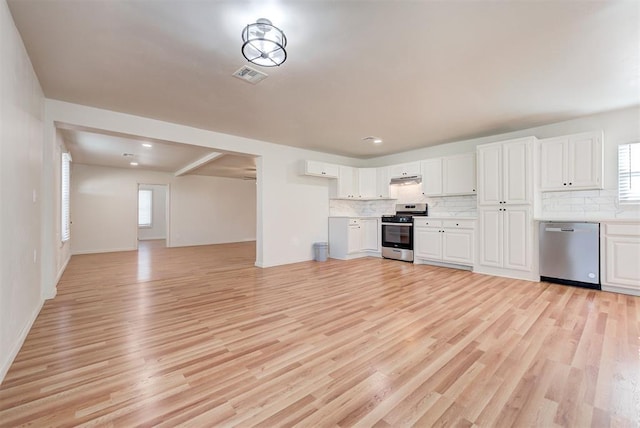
x: 407, y: 179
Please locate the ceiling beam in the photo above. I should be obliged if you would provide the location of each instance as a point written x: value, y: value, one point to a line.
x: 198, y: 163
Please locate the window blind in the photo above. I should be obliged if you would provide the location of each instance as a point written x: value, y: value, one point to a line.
x: 145, y: 204
x: 65, y: 174
x: 629, y: 173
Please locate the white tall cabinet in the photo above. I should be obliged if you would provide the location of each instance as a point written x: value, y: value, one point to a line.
x: 505, y: 187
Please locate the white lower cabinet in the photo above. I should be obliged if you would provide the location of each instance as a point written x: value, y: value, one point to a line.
x: 354, y: 237
x: 620, y: 246
x: 370, y: 230
x: 505, y: 238
x: 351, y: 237
x: 449, y: 241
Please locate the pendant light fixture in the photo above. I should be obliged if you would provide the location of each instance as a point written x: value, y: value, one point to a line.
x: 264, y: 44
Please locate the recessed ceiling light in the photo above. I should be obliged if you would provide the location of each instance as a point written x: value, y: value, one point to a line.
x: 133, y: 163
x: 374, y: 140
x: 147, y: 145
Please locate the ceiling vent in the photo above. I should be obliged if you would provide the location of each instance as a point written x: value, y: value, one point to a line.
x: 250, y: 75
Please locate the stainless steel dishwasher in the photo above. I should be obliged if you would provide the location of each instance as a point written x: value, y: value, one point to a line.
x: 570, y: 253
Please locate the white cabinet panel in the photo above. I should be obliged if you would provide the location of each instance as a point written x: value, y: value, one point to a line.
x: 623, y: 253
x: 491, y: 230
x: 504, y: 173
x: 354, y: 239
x: 517, y: 239
x: 585, y: 161
x: 505, y: 238
x: 553, y: 158
x: 517, y: 173
x: 367, y: 178
x: 490, y: 174
x: 347, y: 183
x: 320, y: 169
x: 459, y: 174
x: 370, y: 234
x: 427, y: 243
x: 432, y: 177
x: 457, y: 246
x: 382, y: 182
x: 621, y: 248
x: 449, y: 241
x: 401, y: 170
x: 571, y: 162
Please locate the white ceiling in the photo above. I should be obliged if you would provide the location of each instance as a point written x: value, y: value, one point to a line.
x: 92, y: 147
x: 415, y: 73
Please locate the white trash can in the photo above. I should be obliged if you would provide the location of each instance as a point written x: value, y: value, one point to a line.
x: 321, y: 250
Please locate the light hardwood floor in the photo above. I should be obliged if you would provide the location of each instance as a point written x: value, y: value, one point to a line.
x: 199, y: 336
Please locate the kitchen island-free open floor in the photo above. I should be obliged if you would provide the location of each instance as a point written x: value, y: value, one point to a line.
x: 200, y: 336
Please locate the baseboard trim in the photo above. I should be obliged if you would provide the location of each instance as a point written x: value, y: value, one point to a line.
x: 48, y: 296
x: 18, y: 345
x: 507, y: 273
x: 110, y: 250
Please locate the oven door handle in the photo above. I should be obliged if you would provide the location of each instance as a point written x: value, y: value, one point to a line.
x: 398, y: 224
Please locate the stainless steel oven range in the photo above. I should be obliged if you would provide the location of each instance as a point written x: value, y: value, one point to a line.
x: 397, y: 231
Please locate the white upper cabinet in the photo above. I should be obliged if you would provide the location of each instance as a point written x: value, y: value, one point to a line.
x: 382, y: 182
x: 432, y: 177
x: 347, y: 183
x: 404, y: 169
x: 367, y: 180
x: 459, y: 174
x: 571, y: 162
x: 504, y: 172
x: 449, y: 176
x: 320, y: 169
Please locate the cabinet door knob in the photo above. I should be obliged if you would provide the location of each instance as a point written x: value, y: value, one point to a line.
x: 570, y: 184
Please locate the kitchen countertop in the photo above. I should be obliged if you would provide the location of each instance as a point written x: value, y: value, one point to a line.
x: 356, y: 216
x: 446, y: 217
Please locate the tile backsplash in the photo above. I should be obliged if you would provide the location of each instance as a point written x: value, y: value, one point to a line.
x: 574, y: 205
x: 460, y: 206
x: 585, y: 205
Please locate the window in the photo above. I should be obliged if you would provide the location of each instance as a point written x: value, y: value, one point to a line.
x: 65, y: 178
x: 629, y: 172
x: 145, y: 204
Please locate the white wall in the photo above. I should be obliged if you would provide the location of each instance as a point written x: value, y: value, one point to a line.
x: 21, y: 163
x: 212, y: 210
x: 104, y: 208
x: 158, y: 229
